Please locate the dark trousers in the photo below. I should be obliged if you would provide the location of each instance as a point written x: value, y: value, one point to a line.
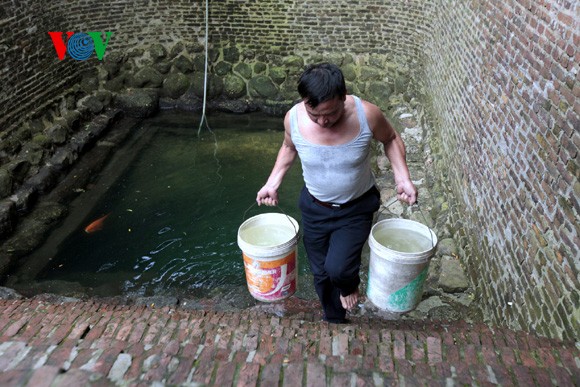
x: 334, y: 239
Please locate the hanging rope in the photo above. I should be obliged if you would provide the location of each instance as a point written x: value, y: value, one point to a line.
x: 203, y: 118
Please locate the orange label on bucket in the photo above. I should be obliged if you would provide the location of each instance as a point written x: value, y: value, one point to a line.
x: 271, y: 280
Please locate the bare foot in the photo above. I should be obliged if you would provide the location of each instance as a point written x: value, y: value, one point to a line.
x: 350, y: 301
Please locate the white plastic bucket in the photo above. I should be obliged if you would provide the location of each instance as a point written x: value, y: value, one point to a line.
x: 396, y: 278
x: 269, y: 244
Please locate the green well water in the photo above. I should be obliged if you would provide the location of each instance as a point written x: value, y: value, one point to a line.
x: 175, y: 212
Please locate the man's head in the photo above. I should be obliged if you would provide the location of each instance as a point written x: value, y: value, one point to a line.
x: 320, y: 83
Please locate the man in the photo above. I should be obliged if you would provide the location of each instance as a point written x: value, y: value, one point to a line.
x: 331, y: 132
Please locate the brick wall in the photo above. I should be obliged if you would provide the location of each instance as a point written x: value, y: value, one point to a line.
x: 32, y: 75
x: 396, y: 28
x: 501, y: 84
x: 504, y: 84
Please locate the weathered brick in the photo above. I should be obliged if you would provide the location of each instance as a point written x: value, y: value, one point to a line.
x: 225, y: 374
x: 74, y: 377
x: 441, y: 370
x: 78, y: 330
x: 296, y: 353
x: 32, y: 327
x: 315, y: 375
x: 527, y: 358
x: 12, y: 352
x: 13, y: 378
x: 523, y: 375
x: 60, y: 333
x: 489, y: 356
x: 36, y: 357
x: 422, y: 371
x: 61, y: 355
x: 452, y: 354
x: 434, y: 350
x: 182, y: 371
x: 385, y: 361
x: 258, y: 357
x: 569, y: 358
x: 250, y: 341
x: 325, y: 346
x: 404, y: 367
x: 135, y: 368
x: 85, y: 357
x: 563, y: 377
x: 124, y: 332
x: 154, y: 367
x: 341, y: 379
x: 356, y: 347
x: 16, y: 326
x: 333, y: 362
x: 542, y: 377
x: 399, y: 347
x: 462, y: 371
x: 136, y: 332
x: 270, y: 375
x: 106, y: 360
x: 481, y: 374
x: 507, y: 357
x: 501, y: 374
x: 43, y: 376
x: 293, y: 374
x: 340, y: 345
x: 222, y: 354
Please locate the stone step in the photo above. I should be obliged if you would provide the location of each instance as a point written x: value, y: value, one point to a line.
x: 102, y: 344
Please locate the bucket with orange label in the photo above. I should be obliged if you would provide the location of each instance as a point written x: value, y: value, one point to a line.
x: 269, y: 244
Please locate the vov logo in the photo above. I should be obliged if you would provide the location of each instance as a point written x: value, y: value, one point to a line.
x: 80, y: 45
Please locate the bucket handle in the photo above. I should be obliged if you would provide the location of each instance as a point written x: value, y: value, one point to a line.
x: 284, y: 212
x: 394, y: 200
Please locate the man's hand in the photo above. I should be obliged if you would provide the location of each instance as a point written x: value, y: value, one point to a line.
x: 406, y: 191
x: 267, y: 196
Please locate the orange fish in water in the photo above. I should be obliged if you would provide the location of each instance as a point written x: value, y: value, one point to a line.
x: 96, y: 225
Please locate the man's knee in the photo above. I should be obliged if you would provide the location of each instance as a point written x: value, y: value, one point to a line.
x: 341, y: 275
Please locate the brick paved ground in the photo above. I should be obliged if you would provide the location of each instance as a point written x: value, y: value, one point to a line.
x: 91, y: 343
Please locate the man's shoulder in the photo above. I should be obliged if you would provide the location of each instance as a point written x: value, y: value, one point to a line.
x: 289, y: 113
x: 374, y: 115
x: 370, y: 108
x: 365, y: 103
x: 294, y: 107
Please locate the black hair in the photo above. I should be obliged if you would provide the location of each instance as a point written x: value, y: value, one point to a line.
x: 320, y: 83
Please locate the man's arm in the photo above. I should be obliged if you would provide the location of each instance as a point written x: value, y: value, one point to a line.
x: 394, y: 147
x: 268, y: 194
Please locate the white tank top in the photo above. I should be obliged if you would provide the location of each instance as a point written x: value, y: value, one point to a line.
x: 336, y: 173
